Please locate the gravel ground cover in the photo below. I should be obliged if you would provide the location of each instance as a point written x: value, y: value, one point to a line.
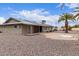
x: 43, y: 44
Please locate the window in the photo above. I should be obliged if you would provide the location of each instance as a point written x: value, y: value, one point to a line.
x: 15, y: 26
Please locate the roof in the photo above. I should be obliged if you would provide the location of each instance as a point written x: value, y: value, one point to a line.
x: 26, y: 22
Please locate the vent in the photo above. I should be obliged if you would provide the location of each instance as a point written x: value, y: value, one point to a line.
x: 43, y: 21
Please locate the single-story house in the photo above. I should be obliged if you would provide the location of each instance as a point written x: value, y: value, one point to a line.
x: 24, y: 27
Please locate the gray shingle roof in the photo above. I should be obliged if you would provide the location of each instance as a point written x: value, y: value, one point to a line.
x: 21, y: 21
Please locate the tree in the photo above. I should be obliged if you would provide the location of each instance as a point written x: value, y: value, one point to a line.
x: 66, y: 17
x: 77, y: 15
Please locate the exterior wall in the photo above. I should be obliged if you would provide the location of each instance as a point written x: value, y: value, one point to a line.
x: 23, y: 29
x: 20, y: 30
x: 1, y: 28
x: 27, y: 29
x: 36, y: 29
x: 30, y: 29
x: 46, y: 29
x: 10, y: 29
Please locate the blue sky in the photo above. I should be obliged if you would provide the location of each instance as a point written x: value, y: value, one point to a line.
x: 35, y: 11
x: 51, y: 7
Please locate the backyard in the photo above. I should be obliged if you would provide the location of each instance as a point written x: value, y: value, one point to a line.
x: 42, y: 44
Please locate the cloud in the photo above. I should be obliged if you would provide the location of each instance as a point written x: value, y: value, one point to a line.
x: 37, y: 15
x: 72, y: 5
x: 7, y: 8
x: 2, y: 20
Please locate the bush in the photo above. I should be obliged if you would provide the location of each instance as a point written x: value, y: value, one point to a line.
x: 69, y: 28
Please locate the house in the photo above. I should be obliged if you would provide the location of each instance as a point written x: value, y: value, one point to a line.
x: 24, y: 27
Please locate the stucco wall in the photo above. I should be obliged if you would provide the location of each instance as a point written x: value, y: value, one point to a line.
x: 22, y: 29
x: 26, y: 29
x: 1, y: 28
x: 11, y: 29
x: 46, y: 29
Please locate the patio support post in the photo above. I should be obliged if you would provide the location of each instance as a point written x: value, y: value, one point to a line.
x: 31, y: 30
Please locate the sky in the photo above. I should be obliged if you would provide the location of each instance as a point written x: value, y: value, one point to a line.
x: 36, y: 12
